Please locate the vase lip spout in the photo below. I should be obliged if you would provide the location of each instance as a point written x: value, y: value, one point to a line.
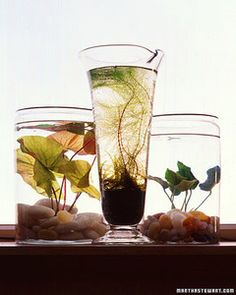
x: 120, y: 54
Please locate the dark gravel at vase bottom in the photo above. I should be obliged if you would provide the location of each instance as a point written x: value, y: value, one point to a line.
x: 123, y: 206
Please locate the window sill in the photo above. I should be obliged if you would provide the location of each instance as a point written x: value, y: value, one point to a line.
x: 92, y: 269
x: 223, y: 248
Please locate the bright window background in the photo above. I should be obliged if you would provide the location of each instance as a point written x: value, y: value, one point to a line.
x: 39, y: 64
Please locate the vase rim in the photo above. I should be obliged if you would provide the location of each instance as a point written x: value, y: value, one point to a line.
x: 185, y: 114
x: 119, y: 45
x: 53, y: 107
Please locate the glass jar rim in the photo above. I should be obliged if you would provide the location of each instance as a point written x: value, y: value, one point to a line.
x: 52, y: 107
x: 185, y: 114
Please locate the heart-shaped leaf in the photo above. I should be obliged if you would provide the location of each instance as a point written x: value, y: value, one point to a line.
x: 186, y: 172
x: 213, y: 177
x: 90, y: 190
x: 173, y: 178
x: 77, y: 172
x: 36, y: 175
x: 47, y: 151
x: 162, y: 182
x: 68, y: 140
x: 185, y: 185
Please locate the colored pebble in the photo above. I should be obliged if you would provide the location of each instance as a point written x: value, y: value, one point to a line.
x: 47, y: 234
x: 40, y: 212
x: 165, y: 221
x: 154, y: 230
x: 64, y: 217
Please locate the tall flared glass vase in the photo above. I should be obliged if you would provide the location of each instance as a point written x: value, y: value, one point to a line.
x: 122, y: 80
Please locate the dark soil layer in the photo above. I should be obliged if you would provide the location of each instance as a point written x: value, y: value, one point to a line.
x: 123, y: 206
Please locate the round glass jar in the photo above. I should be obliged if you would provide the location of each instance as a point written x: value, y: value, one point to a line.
x: 183, y: 195
x: 55, y: 161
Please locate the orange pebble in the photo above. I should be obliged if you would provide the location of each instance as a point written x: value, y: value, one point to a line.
x: 200, y: 215
x: 165, y: 222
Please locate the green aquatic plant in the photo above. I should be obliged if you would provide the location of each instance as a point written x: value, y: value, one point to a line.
x: 43, y: 161
x: 184, y: 182
x: 123, y: 115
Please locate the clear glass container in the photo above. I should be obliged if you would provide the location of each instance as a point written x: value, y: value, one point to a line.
x: 184, y: 179
x: 55, y: 164
x: 122, y: 80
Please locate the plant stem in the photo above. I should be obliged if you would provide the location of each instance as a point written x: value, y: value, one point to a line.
x: 80, y: 149
x: 64, y: 203
x: 190, y: 195
x: 76, y: 198
x: 184, y: 202
x: 203, y: 201
x: 51, y: 202
x: 55, y: 196
x: 62, y: 184
x: 170, y: 198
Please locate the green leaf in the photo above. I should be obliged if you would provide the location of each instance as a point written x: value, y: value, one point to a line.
x: 162, y: 182
x: 186, y: 172
x: 36, y: 175
x: 90, y: 190
x: 213, y: 177
x: 185, y: 185
x: 47, y: 151
x: 45, y: 180
x: 172, y: 177
x: 77, y: 172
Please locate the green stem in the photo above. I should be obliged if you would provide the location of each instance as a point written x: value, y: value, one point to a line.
x: 190, y: 195
x: 171, y: 198
x: 203, y: 201
x: 184, y: 202
x: 55, y: 196
x: 64, y: 203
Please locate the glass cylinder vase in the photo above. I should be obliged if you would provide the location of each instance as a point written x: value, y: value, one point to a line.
x: 55, y: 156
x: 122, y: 80
x: 184, y: 176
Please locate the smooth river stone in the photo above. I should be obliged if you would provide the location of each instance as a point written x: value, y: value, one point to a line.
x: 71, y: 236
x: 87, y: 220
x: 67, y: 227
x: 100, y: 228
x: 48, y: 203
x: 91, y: 234
x: 24, y: 218
x: 47, y: 234
x: 40, y: 212
x: 52, y: 221
x: 23, y: 233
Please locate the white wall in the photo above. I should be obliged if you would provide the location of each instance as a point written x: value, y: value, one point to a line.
x: 39, y: 64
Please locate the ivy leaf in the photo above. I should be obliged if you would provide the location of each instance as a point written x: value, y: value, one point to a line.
x: 162, y: 182
x: 185, y: 185
x: 68, y: 140
x: 36, y: 175
x: 173, y: 178
x: 186, y: 172
x: 213, y: 177
x: 45, y: 150
x: 90, y: 190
